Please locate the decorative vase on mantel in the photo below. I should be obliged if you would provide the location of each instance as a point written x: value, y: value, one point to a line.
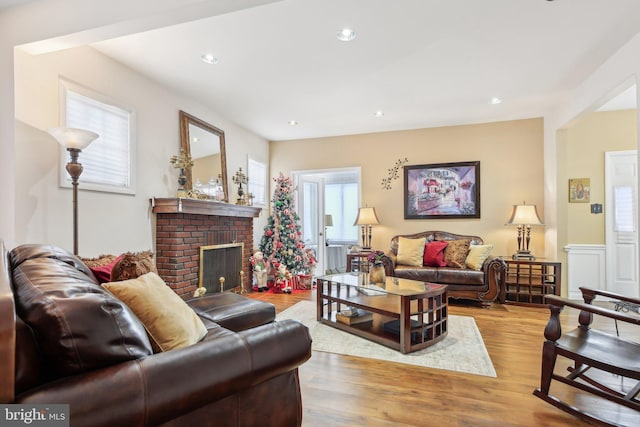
x: 377, y: 274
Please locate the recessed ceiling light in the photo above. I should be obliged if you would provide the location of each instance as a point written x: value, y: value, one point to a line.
x: 195, y: 139
x: 379, y: 114
x: 292, y: 122
x: 495, y: 100
x: 346, y: 35
x: 208, y: 58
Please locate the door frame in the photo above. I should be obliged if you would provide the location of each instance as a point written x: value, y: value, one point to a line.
x: 297, y: 176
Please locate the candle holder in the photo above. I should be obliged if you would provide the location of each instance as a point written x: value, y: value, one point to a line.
x: 240, y: 178
x: 183, y: 162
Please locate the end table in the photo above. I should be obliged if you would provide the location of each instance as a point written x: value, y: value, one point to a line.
x: 357, y: 261
x: 528, y: 281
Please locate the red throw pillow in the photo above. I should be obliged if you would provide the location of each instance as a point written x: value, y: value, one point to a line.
x: 103, y: 272
x: 434, y: 254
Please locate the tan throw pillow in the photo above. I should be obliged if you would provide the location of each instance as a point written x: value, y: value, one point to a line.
x: 132, y: 265
x: 455, y: 254
x: 478, y: 254
x: 169, y: 321
x: 410, y: 251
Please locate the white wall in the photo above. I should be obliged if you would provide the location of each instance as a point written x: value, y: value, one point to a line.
x: 607, y: 81
x: 71, y: 23
x: 109, y: 223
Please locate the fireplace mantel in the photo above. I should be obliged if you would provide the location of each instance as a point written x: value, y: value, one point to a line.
x: 202, y: 207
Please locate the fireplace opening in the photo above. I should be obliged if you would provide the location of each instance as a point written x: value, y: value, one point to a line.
x: 221, y: 261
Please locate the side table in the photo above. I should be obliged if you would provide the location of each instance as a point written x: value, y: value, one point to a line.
x: 357, y: 261
x: 528, y: 281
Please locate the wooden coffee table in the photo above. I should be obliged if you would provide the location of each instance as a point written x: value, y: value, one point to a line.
x: 406, y: 315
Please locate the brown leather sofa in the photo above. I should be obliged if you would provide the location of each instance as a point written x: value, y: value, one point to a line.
x: 65, y: 340
x: 481, y: 285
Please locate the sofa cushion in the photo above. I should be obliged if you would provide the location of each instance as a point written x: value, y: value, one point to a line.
x: 79, y: 325
x: 170, y: 322
x: 410, y: 251
x: 457, y: 276
x: 233, y: 311
x: 434, y: 254
x: 477, y: 256
x: 421, y: 274
x: 455, y: 254
x: 131, y: 265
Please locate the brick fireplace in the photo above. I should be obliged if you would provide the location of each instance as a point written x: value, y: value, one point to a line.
x: 185, y: 225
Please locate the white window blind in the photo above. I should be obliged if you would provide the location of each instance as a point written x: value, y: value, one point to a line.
x: 623, y: 203
x: 108, y: 161
x: 341, y: 202
x: 257, y: 173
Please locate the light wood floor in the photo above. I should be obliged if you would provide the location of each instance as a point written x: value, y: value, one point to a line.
x: 342, y: 390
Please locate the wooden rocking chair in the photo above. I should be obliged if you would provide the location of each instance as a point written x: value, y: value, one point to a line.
x: 590, y: 348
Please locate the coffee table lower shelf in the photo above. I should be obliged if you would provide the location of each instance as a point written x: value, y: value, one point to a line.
x: 379, y: 335
x: 405, y: 321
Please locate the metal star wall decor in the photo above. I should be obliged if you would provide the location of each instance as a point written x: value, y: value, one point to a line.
x: 394, y: 173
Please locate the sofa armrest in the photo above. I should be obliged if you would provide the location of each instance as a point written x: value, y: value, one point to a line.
x: 494, y: 276
x: 389, y: 262
x: 166, y: 385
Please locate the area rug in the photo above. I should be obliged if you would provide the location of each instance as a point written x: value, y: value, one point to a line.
x: 462, y: 350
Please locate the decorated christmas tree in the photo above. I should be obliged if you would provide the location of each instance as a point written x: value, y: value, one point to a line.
x: 281, y: 243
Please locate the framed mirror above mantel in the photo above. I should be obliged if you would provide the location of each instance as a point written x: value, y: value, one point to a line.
x: 205, y: 144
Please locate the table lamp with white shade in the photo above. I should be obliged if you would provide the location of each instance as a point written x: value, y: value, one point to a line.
x: 524, y: 216
x: 366, y: 219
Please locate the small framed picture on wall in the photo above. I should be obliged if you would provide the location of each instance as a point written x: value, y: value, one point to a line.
x: 579, y: 190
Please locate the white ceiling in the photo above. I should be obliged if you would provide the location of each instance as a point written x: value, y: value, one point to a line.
x: 5, y: 4
x: 424, y: 63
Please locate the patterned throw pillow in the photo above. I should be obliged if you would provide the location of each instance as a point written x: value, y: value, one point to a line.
x: 455, y: 254
x: 132, y: 265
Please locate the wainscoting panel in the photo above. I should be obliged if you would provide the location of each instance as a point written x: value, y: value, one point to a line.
x: 586, y: 266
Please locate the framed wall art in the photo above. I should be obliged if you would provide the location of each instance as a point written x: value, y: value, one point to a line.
x: 579, y: 190
x: 444, y: 190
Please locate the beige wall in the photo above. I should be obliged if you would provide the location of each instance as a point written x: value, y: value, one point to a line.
x: 511, y: 170
x: 109, y: 223
x: 582, y: 150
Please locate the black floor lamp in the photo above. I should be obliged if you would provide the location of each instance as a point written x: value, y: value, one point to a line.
x: 74, y: 140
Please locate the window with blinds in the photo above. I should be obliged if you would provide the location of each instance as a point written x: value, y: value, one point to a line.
x: 108, y: 162
x: 257, y: 173
x: 341, y: 202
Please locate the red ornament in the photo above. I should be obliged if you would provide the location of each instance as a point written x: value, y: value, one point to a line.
x: 269, y: 233
x: 279, y: 245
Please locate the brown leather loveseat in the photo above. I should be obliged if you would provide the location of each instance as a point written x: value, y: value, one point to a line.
x: 482, y: 285
x: 65, y: 340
